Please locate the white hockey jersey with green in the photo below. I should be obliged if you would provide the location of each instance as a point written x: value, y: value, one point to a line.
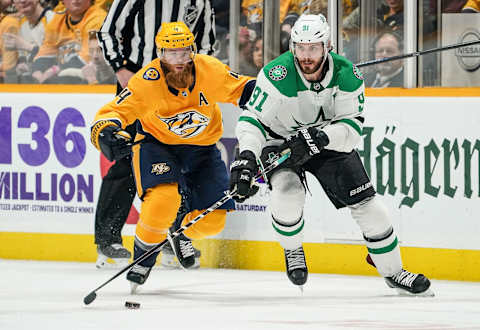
x: 283, y: 102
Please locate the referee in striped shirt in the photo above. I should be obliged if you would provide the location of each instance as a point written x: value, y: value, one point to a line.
x: 127, y: 39
x: 127, y: 36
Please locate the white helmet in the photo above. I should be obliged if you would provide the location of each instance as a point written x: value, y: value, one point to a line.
x: 310, y: 29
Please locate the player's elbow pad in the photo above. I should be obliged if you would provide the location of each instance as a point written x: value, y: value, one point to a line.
x: 342, y: 137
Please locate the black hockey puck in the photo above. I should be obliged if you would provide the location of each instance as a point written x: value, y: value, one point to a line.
x: 132, y: 305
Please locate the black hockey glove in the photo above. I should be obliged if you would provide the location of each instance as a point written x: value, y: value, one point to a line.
x: 242, y: 174
x: 307, y: 143
x: 112, y: 141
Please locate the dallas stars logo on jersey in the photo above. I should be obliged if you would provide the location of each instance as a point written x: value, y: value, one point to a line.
x: 278, y: 72
x: 186, y: 124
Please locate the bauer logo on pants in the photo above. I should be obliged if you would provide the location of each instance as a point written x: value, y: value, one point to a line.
x: 160, y: 168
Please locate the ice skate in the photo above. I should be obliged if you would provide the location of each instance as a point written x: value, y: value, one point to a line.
x: 407, y: 283
x: 297, y: 271
x: 115, y: 252
x: 137, y: 275
x: 169, y: 260
x: 183, y: 249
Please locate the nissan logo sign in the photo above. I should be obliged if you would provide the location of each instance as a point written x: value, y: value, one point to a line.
x: 469, y: 56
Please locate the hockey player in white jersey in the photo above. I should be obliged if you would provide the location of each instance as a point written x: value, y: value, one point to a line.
x: 311, y: 100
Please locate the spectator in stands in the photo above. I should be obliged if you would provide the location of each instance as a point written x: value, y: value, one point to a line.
x: 388, y: 74
x: 8, y: 56
x: 316, y: 7
x: 65, y: 48
x: 97, y: 71
x: 246, y: 37
x: 34, y: 19
x: 472, y: 6
x: 257, y: 54
x: 222, y: 29
x: 391, y: 15
x: 453, y: 6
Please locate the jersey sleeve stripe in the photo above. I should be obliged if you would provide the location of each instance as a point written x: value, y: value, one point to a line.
x: 352, y: 124
x: 254, y: 123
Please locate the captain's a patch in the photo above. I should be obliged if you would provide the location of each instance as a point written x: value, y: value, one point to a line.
x: 151, y: 74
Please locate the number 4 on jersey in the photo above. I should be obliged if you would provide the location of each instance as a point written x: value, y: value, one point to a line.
x: 123, y: 95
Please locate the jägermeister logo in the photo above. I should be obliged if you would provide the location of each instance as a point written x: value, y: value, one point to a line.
x: 278, y: 72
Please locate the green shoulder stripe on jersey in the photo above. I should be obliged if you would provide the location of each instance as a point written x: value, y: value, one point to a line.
x: 254, y: 123
x: 385, y: 249
x: 345, y: 76
x: 281, y: 73
x: 351, y: 123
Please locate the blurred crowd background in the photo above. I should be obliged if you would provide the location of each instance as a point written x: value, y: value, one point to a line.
x: 52, y: 41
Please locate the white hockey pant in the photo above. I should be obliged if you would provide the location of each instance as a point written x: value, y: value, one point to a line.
x: 286, y: 204
x: 382, y: 244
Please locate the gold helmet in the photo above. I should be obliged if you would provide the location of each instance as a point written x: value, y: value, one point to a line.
x: 174, y: 35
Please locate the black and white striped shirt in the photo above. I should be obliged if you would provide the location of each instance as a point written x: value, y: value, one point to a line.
x: 127, y: 36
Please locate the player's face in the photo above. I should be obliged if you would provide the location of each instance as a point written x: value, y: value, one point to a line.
x: 177, y: 58
x: 309, y: 56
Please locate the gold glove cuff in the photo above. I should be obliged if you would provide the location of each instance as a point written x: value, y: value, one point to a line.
x: 97, y: 128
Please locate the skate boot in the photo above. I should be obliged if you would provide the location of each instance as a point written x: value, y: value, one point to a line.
x: 137, y: 275
x: 407, y: 283
x: 297, y: 271
x: 169, y: 260
x: 115, y: 252
x: 183, y: 249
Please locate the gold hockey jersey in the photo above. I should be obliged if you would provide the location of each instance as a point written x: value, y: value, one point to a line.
x: 62, y: 39
x: 187, y: 116
x: 8, y: 57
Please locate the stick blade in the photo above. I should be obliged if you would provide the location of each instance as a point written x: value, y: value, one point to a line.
x: 89, y: 298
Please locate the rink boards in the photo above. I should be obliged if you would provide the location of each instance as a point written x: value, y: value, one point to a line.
x: 420, y: 147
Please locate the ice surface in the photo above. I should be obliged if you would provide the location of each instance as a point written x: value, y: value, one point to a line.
x: 49, y: 295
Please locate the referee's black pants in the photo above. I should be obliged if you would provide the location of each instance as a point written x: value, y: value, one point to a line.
x: 115, y: 199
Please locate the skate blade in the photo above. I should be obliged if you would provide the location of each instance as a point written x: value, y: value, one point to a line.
x: 427, y: 293
x: 133, y: 288
x: 101, y: 261
x: 301, y: 289
x: 169, y: 261
x: 120, y: 262
x: 104, y: 262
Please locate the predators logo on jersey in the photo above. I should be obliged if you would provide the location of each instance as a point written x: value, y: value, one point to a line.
x: 151, y: 74
x: 186, y: 124
x: 160, y: 168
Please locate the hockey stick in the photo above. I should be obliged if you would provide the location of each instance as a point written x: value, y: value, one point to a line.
x: 280, y: 159
x: 414, y: 54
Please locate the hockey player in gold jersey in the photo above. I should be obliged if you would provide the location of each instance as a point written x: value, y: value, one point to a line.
x: 174, y: 101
